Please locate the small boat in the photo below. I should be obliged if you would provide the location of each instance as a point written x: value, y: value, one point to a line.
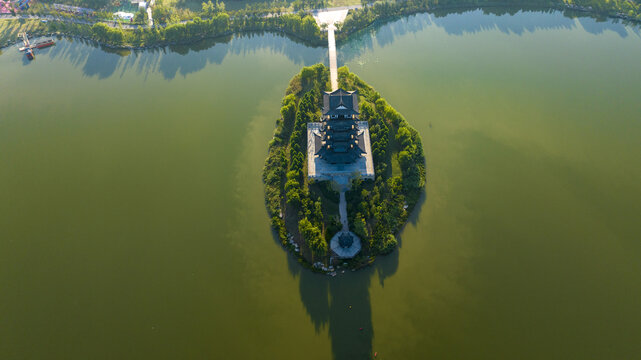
x: 30, y: 54
x: 44, y: 44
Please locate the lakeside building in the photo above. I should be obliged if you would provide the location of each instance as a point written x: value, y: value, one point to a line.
x: 338, y: 142
x: 338, y: 147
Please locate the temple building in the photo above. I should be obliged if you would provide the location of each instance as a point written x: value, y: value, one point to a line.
x: 339, y: 145
x: 338, y: 141
x: 338, y: 149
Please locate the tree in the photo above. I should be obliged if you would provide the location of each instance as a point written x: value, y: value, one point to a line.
x: 209, y: 8
x: 104, y: 33
x: 100, y: 31
x: 288, y: 110
x: 318, y: 212
x: 313, y: 238
x: 307, y: 74
x: 175, y: 32
x: 164, y: 14
x: 388, y: 244
x: 360, y: 227
x: 140, y: 16
x: 405, y: 159
x: 404, y: 137
x: 309, y: 27
x: 221, y: 23
x: 293, y: 197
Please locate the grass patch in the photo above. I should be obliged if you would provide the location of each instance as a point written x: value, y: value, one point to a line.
x: 9, y: 29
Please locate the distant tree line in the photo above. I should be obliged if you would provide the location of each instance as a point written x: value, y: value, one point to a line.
x: 214, y: 20
x: 358, y: 19
x: 220, y: 23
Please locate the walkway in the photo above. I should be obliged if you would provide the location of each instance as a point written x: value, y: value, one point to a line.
x: 333, y: 71
x: 343, y: 251
x: 343, y: 184
x: 330, y: 17
x: 152, y: 3
x: 342, y: 210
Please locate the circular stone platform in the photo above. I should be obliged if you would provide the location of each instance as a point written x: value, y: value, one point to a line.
x: 343, y: 247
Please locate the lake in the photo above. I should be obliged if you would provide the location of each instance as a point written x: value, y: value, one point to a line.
x: 132, y: 221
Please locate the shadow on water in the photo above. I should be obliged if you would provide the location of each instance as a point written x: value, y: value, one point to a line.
x: 26, y: 61
x: 342, y: 304
x: 170, y: 61
x: 512, y: 21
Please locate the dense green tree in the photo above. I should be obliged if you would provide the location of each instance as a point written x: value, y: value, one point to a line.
x: 404, y: 137
x: 107, y: 34
x: 313, y: 238
x: 309, y: 27
x: 210, y: 8
x: 360, y: 227
x: 141, y: 16
x: 164, y: 14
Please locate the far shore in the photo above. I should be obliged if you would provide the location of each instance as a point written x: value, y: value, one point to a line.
x: 341, y: 36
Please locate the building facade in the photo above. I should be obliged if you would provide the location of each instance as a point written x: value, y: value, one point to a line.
x: 338, y: 145
x: 338, y: 142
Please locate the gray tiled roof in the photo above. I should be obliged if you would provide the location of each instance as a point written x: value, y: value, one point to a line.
x: 340, y: 102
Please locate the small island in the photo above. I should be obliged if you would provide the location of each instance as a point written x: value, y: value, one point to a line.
x: 344, y: 171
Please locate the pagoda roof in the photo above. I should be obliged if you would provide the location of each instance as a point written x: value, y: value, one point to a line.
x: 340, y: 158
x: 361, y: 143
x: 340, y: 125
x: 338, y: 152
x: 340, y: 102
x: 345, y: 240
x: 340, y: 136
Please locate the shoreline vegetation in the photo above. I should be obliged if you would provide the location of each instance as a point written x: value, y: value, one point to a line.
x: 304, y: 212
x: 213, y: 21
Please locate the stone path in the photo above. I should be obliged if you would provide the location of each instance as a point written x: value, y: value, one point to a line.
x: 152, y: 3
x: 330, y: 17
x: 333, y: 71
x: 342, y: 210
x: 343, y: 185
x: 334, y: 244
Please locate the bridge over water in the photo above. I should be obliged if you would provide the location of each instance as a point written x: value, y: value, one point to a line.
x: 330, y: 17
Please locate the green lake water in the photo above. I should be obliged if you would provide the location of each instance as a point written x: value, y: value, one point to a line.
x: 132, y: 222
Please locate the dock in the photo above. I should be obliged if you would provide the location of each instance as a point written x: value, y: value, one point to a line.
x: 29, y: 46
